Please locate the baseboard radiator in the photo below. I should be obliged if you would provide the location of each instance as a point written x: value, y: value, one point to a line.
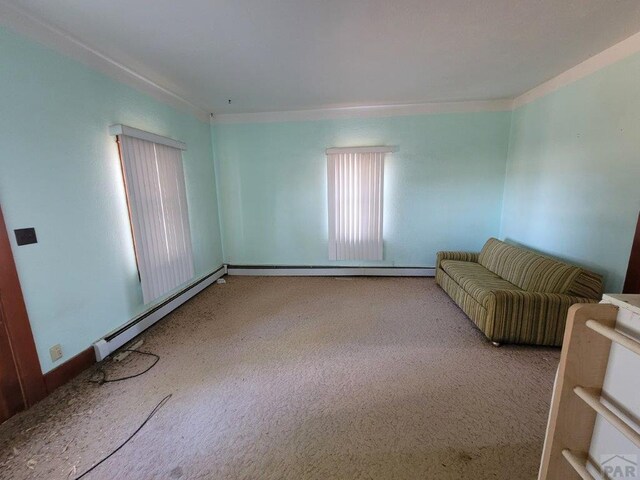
x: 107, y: 345
x: 329, y: 271
x: 113, y: 341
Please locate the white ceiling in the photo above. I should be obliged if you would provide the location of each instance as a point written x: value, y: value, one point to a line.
x: 277, y: 55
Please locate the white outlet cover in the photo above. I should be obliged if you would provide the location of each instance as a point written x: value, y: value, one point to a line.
x: 56, y: 352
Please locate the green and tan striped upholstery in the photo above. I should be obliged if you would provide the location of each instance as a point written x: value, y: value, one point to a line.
x: 528, y: 270
x: 474, y: 279
x: 515, y: 295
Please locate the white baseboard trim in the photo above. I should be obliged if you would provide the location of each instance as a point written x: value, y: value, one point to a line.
x: 286, y: 271
x: 116, y: 339
x: 110, y: 343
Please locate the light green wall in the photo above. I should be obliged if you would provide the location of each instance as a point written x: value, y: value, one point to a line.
x: 571, y: 184
x: 443, y: 189
x: 573, y: 176
x: 59, y: 173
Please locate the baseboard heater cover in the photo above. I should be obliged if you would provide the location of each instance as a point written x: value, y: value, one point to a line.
x: 329, y: 271
x: 107, y: 345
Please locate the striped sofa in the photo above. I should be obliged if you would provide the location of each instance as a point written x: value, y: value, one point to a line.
x: 515, y: 295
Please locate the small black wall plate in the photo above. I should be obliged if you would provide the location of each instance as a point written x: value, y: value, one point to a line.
x: 25, y: 236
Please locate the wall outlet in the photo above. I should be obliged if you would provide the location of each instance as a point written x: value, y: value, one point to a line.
x: 56, y: 352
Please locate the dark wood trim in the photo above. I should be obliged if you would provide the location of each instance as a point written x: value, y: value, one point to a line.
x: 17, y: 324
x: 32, y: 385
x: 69, y: 369
x: 11, y: 397
x: 632, y: 281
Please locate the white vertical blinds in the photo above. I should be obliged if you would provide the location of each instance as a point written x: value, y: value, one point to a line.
x: 355, y: 181
x: 156, y: 194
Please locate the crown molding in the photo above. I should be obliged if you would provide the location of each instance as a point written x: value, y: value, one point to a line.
x: 372, y: 111
x: 28, y: 25
x: 611, y: 55
x: 15, y: 18
x: 603, y: 59
x: 32, y: 27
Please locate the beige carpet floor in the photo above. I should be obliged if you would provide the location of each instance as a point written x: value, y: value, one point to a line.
x: 301, y: 378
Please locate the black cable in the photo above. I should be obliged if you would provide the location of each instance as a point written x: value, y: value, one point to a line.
x: 153, y: 412
x: 104, y: 378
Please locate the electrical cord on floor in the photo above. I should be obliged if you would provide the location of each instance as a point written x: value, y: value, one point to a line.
x: 153, y: 412
x: 104, y: 378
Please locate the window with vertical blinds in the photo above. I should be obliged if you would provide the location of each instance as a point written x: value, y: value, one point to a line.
x: 355, y: 193
x: 154, y: 180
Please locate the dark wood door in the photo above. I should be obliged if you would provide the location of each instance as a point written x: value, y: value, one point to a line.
x: 11, y: 397
x: 21, y: 380
x: 632, y: 281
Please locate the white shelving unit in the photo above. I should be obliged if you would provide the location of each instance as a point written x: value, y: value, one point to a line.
x: 593, y: 430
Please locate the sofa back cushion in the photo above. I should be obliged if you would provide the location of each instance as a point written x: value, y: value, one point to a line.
x: 526, y: 269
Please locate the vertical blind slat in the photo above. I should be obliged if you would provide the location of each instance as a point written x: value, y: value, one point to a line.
x: 380, y: 179
x: 169, y: 199
x: 342, y: 161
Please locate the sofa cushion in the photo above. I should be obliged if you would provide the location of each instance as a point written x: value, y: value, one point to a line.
x: 526, y: 269
x: 587, y: 285
x: 475, y: 279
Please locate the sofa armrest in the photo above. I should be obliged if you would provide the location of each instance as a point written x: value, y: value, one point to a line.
x: 531, y: 317
x: 463, y: 256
